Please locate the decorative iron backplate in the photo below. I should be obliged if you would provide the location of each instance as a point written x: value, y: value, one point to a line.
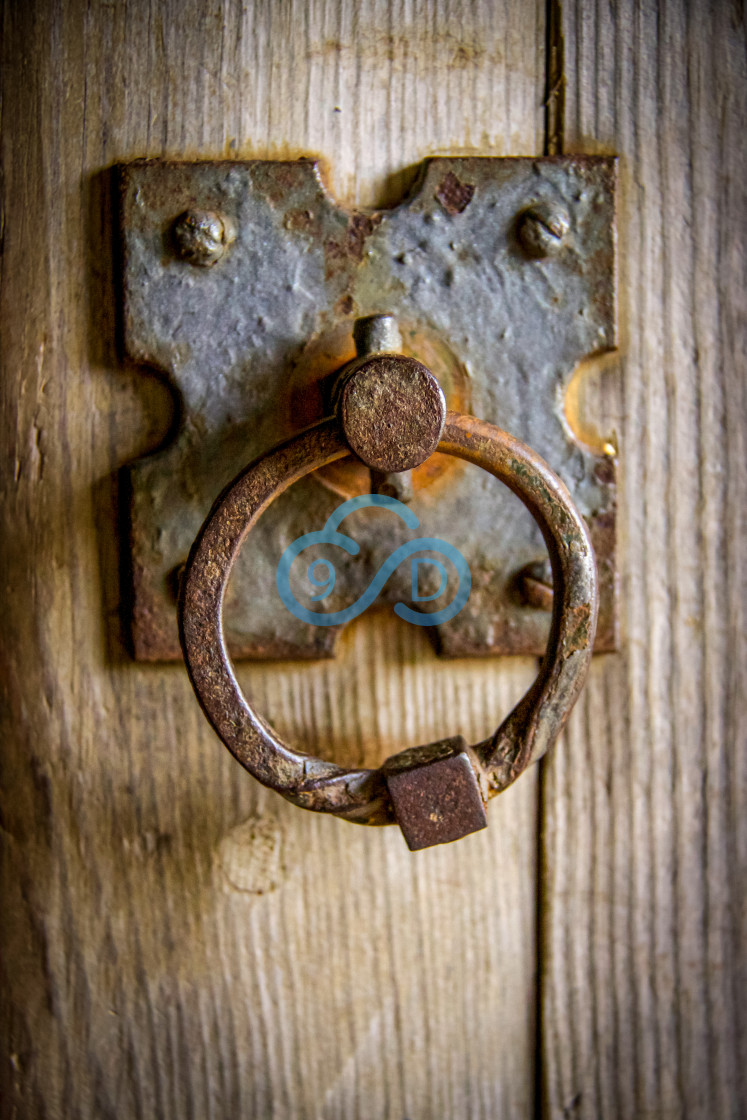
x: 251, y: 344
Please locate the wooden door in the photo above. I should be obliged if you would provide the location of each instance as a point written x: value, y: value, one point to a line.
x: 179, y: 943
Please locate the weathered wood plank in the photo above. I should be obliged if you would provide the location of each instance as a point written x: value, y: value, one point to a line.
x: 643, y: 807
x: 144, y: 973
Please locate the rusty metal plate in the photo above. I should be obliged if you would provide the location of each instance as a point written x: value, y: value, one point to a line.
x: 501, y: 275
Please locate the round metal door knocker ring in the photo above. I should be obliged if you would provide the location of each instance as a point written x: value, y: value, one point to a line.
x: 390, y: 411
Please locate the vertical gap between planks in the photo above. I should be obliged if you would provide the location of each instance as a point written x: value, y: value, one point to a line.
x: 554, y: 123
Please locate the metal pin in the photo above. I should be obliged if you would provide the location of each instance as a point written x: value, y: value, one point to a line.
x: 377, y: 334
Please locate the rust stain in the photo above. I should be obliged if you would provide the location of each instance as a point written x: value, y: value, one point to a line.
x: 277, y: 180
x: 454, y: 195
x: 351, y: 247
x: 345, y: 306
x: 444, y: 49
x: 299, y: 219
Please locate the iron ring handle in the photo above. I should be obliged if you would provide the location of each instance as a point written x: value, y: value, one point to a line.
x: 361, y: 795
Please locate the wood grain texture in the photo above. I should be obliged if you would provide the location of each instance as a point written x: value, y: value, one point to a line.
x: 178, y: 943
x: 644, y: 840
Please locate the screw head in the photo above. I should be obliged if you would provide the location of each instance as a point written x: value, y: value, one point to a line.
x: 542, y: 230
x: 201, y: 237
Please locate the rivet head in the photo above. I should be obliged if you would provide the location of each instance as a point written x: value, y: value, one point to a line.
x: 542, y: 230
x: 535, y: 585
x: 201, y: 237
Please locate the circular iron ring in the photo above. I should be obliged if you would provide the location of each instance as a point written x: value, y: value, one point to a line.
x: 357, y: 794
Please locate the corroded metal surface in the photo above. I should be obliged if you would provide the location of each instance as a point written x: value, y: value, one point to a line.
x: 437, y: 799
x: 365, y: 796
x: 241, y: 337
x: 380, y: 429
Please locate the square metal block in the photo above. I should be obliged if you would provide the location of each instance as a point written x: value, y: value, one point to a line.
x: 439, y: 799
